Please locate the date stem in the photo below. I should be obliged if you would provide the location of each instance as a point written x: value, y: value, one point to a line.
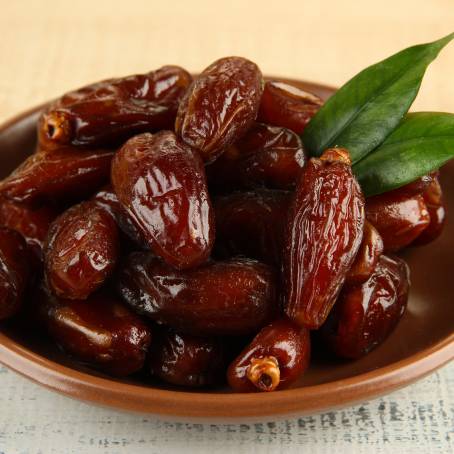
x: 264, y: 373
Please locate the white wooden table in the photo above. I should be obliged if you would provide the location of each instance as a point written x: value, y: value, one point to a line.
x: 416, y: 419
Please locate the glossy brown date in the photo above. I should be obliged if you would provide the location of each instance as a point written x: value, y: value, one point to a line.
x: 367, y: 257
x: 107, y: 199
x: 185, y: 360
x: 326, y: 222
x: 366, y: 314
x: 235, y: 297
x: 81, y: 251
x: 31, y: 222
x: 288, y: 106
x: 65, y: 174
x: 267, y: 156
x: 161, y: 184
x: 100, y: 331
x: 220, y: 106
x: 108, y: 112
x: 14, y: 272
x: 252, y: 224
x: 399, y: 219
x: 433, y: 197
x: 276, y: 357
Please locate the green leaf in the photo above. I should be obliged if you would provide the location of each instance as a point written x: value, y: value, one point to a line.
x: 422, y: 142
x: 363, y: 112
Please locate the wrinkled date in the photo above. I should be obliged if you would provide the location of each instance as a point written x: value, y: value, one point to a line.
x: 14, y: 272
x: 66, y: 174
x: 161, y: 184
x: 367, y: 257
x: 266, y: 156
x: 276, y: 357
x: 108, y: 112
x: 399, y: 219
x: 107, y: 199
x: 185, y: 360
x: 252, y: 224
x: 234, y: 297
x: 220, y: 106
x: 366, y: 314
x: 81, y: 250
x: 288, y: 106
x: 433, y: 197
x: 32, y: 223
x: 326, y: 224
x: 100, y: 331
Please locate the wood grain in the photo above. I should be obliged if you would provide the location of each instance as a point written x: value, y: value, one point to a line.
x: 417, y: 419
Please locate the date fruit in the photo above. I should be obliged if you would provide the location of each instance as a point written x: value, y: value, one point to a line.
x: 326, y: 222
x: 108, y: 112
x: 100, y: 331
x: 220, y: 106
x: 14, y: 272
x: 288, y: 106
x: 433, y: 197
x: 185, y: 360
x: 81, y: 250
x: 276, y: 357
x: 399, y: 219
x: 161, y: 184
x: 235, y: 297
x: 252, y: 224
x: 66, y: 174
x: 366, y: 314
x: 367, y: 257
x: 32, y: 223
x: 267, y: 156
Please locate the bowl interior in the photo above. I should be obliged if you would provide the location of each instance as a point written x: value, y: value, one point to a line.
x: 428, y: 320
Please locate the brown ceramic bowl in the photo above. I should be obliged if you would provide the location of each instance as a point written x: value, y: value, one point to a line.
x: 422, y: 342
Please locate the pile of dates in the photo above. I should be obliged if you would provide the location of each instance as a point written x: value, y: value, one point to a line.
x: 175, y: 225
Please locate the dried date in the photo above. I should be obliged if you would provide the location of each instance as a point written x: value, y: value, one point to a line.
x: 276, y: 357
x: 366, y: 314
x: 14, y: 272
x: 220, y: 106
x: 326, y: 222
x: 81, y: 251
x: 161, y: 184
x: 235, y: 297
x: 109, y: 112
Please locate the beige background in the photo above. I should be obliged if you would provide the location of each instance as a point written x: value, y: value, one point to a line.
x: 48, y: 47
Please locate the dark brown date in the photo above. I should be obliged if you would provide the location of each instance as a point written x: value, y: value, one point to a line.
x: 326, y: 222
x: 66, y: 174
x: 276, y: 357
x: 220, y: 106
x: 32, y: 223
x: 185, y: 360
x: 266, y: 156
x: 107, y: 199
x: 416, y: 187
x: 109, y: 112
x: 365, y: 315
x: 399, y: 219
x: 81, y: 250
x: 161, y: 184
x: 367, y: 257
x: 433, y: 197
x: 100, y: 331
x: 235, y: 297
x: 252, y: 224
x: 288, y: 106
x: 14, y: 272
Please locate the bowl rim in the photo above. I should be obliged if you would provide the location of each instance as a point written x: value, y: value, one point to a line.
x: 221, y: 406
